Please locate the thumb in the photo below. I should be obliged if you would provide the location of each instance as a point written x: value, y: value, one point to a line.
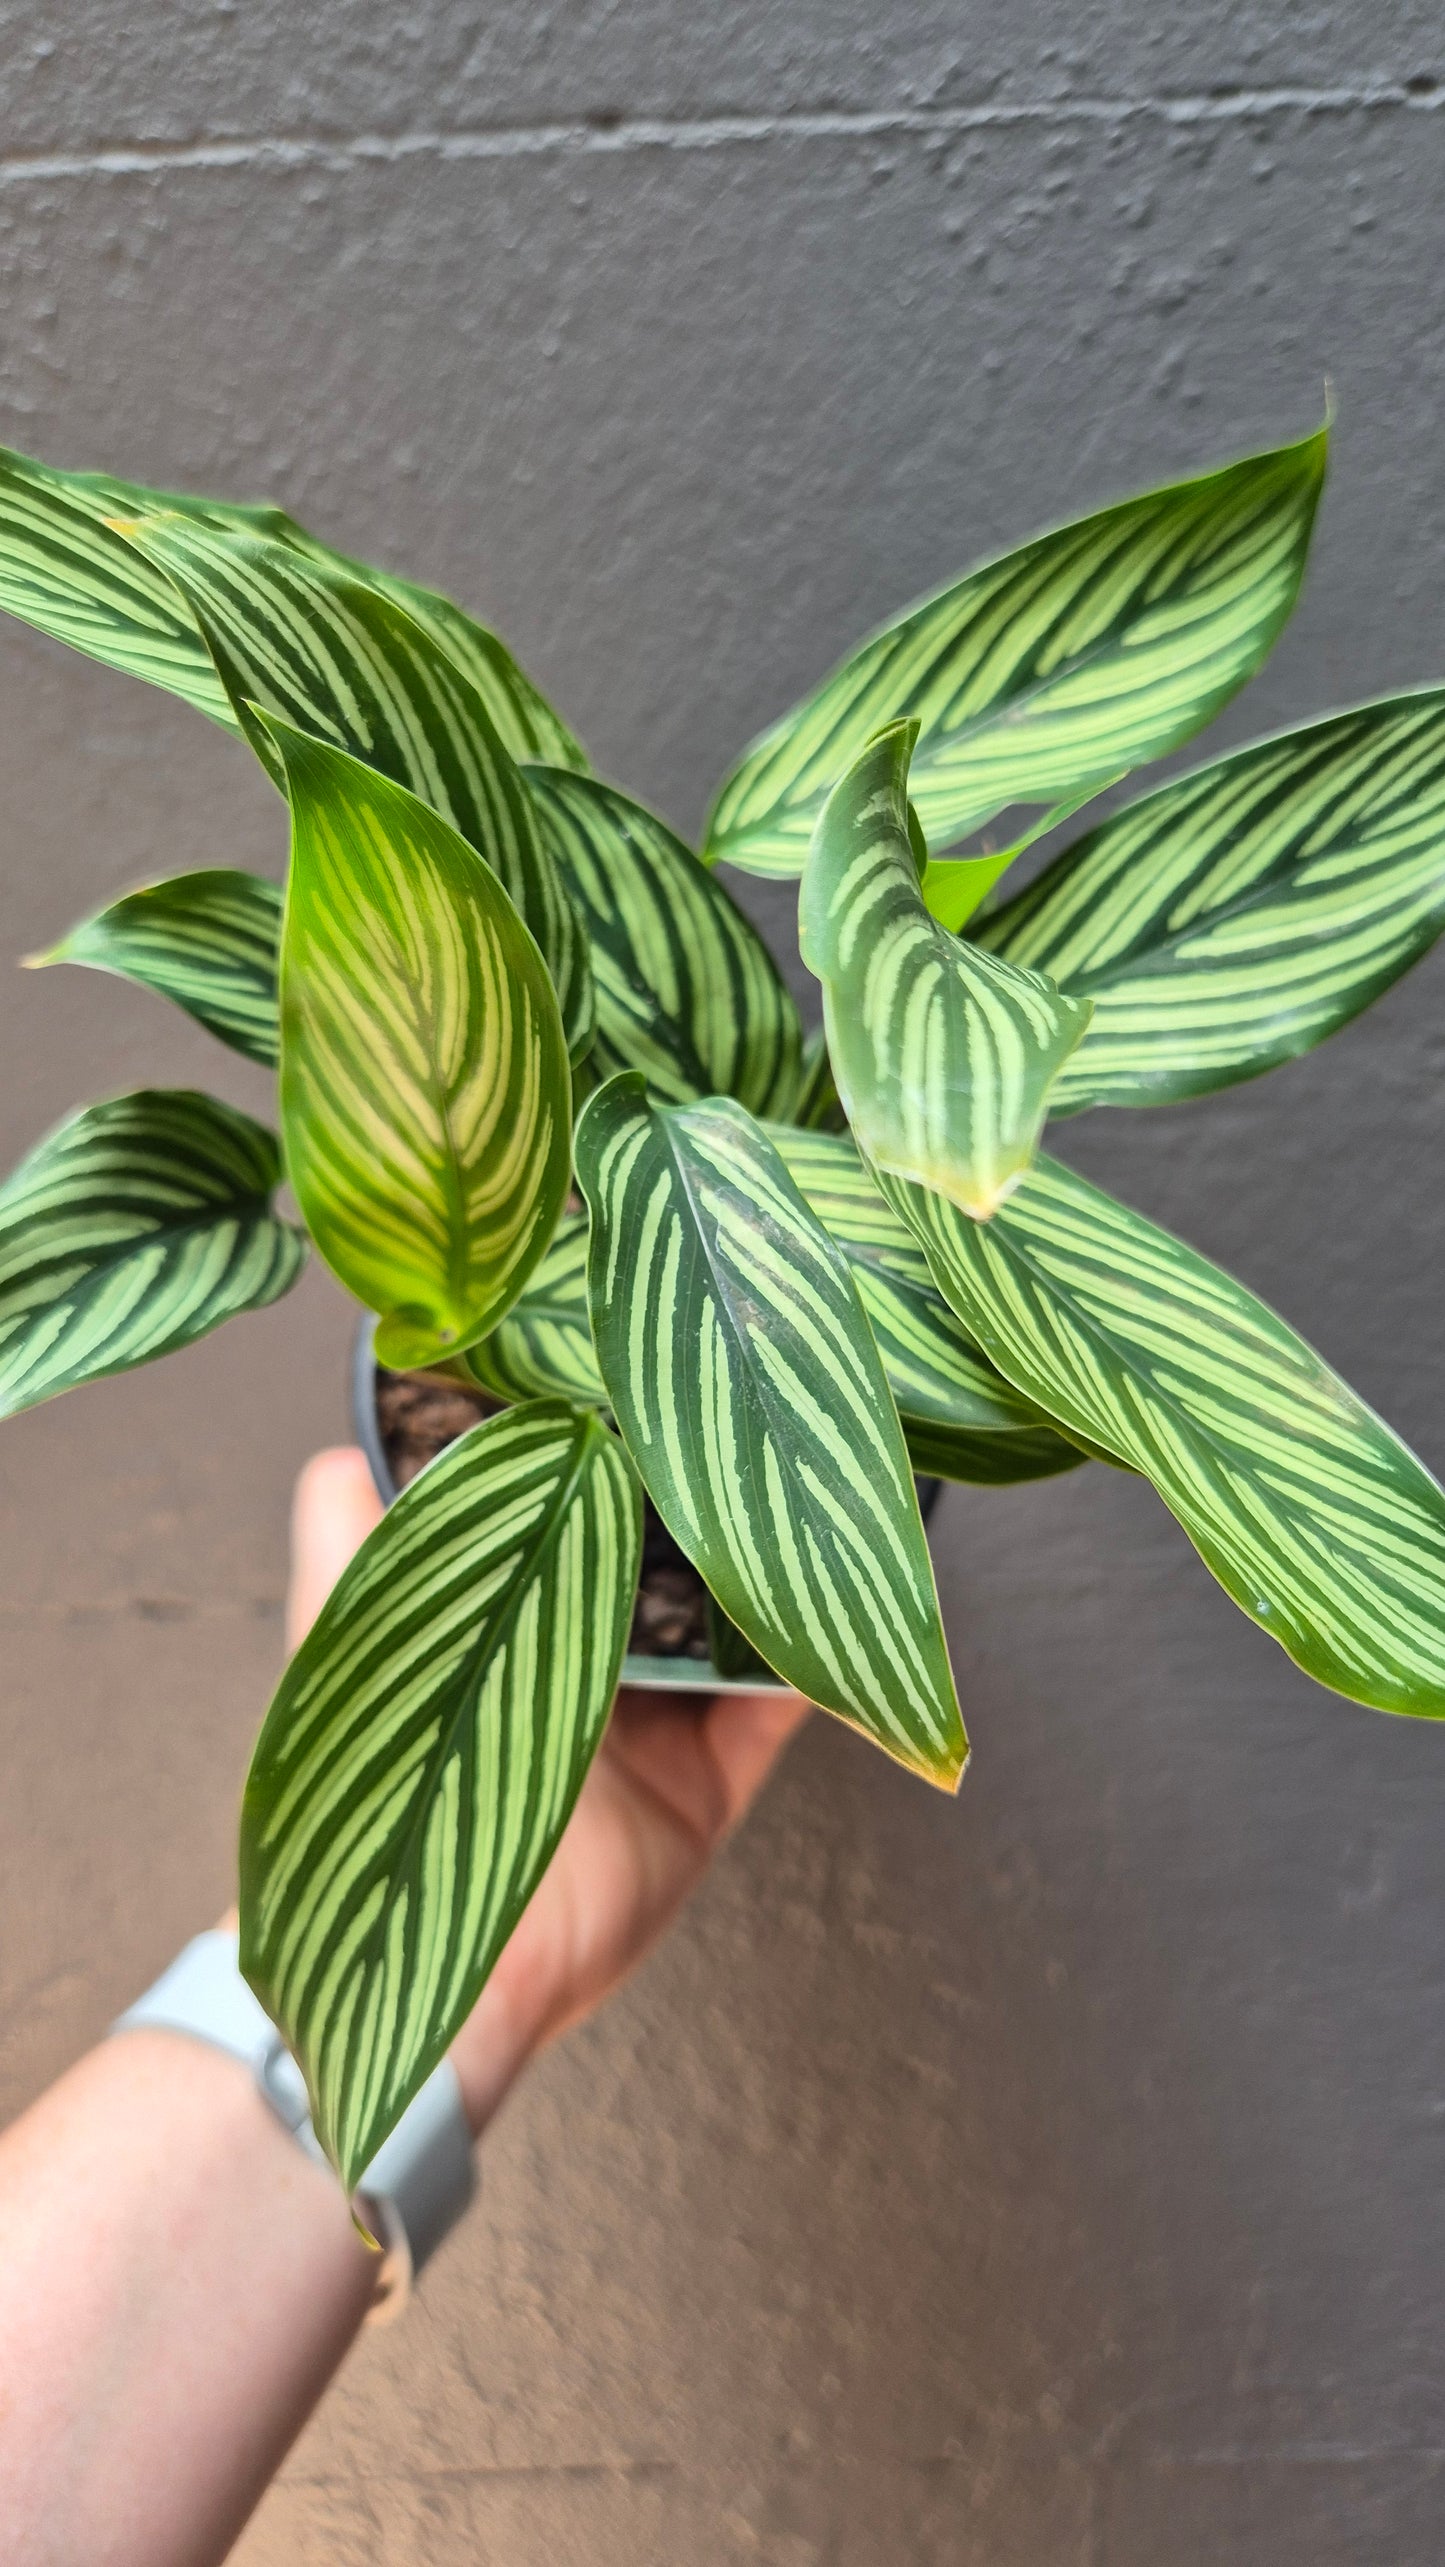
x: 334, y: 1509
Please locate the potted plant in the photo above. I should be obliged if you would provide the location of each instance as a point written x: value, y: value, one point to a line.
x: 547, y: 1110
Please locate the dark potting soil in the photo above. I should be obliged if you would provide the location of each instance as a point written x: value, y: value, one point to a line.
x: 418, y: 1415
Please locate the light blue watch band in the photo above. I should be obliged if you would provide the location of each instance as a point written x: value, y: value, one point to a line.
x: 421, y: 2178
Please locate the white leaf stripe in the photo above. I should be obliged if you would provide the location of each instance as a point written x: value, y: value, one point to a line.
x: 424, y: 1089
x: 1234, y: 919
x: 334, y: 657
x: 210, y: 941
x: 1052, y: 670
x: 687, y: 991
x: 745, y: 1382
x: 135, y: 1228
x: 543, y: 1348
x: 936, y: 1370
x: 1314, y: 1516
x: 943, y: 1056
x: 424, y: 1752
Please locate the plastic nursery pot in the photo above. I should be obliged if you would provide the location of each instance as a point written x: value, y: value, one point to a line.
x: 403, y: 1420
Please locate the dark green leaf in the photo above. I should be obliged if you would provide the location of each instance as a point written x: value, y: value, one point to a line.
x: 1234, y: 919
x: 66, y: 569
x: 687, y: 991
x: 210, y: 941
x: 1313, y: 1516
x: 748, y: 1389
x: 988, y: 1461
x: 943, y: 1056
x: 294, y: 637
x: 135, y: 1228
x: 1049, y: 672
x: 945, y: 1387
x: 543, y: 1348
x: 424, y: 1753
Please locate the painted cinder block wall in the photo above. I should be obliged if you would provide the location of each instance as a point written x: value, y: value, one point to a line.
x: 1053, y: 2177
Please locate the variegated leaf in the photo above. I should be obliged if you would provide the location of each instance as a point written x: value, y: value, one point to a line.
x: 210, y: 941
x: 65, y: 569
x: 943, y: 1055
x: 424, y: 1753
x: 543, y: 1348
x: 1310, y: 1512
x: 1234, y: 919
x: 749, y: 1391
x: 962, y: 1418
x: 687, y: 991
x: 425, y: 1097
x: 135, y: 1228
x: 294, y: 636
x: 1049, y: 672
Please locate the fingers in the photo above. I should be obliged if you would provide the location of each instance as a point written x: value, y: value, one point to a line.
x: 334, y: 1509
x: 747, y: 1733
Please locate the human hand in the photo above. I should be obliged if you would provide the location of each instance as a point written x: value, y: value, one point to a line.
x: 674, y: 1774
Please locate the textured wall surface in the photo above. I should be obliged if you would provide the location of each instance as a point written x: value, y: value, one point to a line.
x: 1049, y: 2180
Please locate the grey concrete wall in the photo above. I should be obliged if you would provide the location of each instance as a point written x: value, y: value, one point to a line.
x: 1051, y: 2178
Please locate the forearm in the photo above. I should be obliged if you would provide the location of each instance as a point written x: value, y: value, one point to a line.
x: 180, y: 2282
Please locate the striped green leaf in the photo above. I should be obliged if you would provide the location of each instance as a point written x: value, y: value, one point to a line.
x: 425, y: 1097
x: 424, y: 1753
x: 135, y: 1228
x: 543, y: 1348
x: 943, y: 1055
x: 747, y: 1386
x: 962, y: 1419
x: 1234, y: 919
x: 1313, y: 1516
x: 65, y: 568
x: 293, y: 636
x: 1053, y: 670
x: 210, y: 941
x: 687, y: 991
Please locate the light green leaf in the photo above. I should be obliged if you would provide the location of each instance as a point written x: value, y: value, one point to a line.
x: 210, y: 941
x: 1048, y: 672
x: 543, y: 1348
x: 943, y: 1056
x: 424, y: 1752
x: 747, y: 1386
x: 1234, y: 919
x: 955, y: 887
x: 65, y: 569
x: 1312, y: 1515
x: 135, y: 1228
x: 955, y: 1404
x: 293, y: 636
x: 686, y: 989
x: 425, y: 1097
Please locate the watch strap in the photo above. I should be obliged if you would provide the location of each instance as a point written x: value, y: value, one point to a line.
x: 421, y: 2178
